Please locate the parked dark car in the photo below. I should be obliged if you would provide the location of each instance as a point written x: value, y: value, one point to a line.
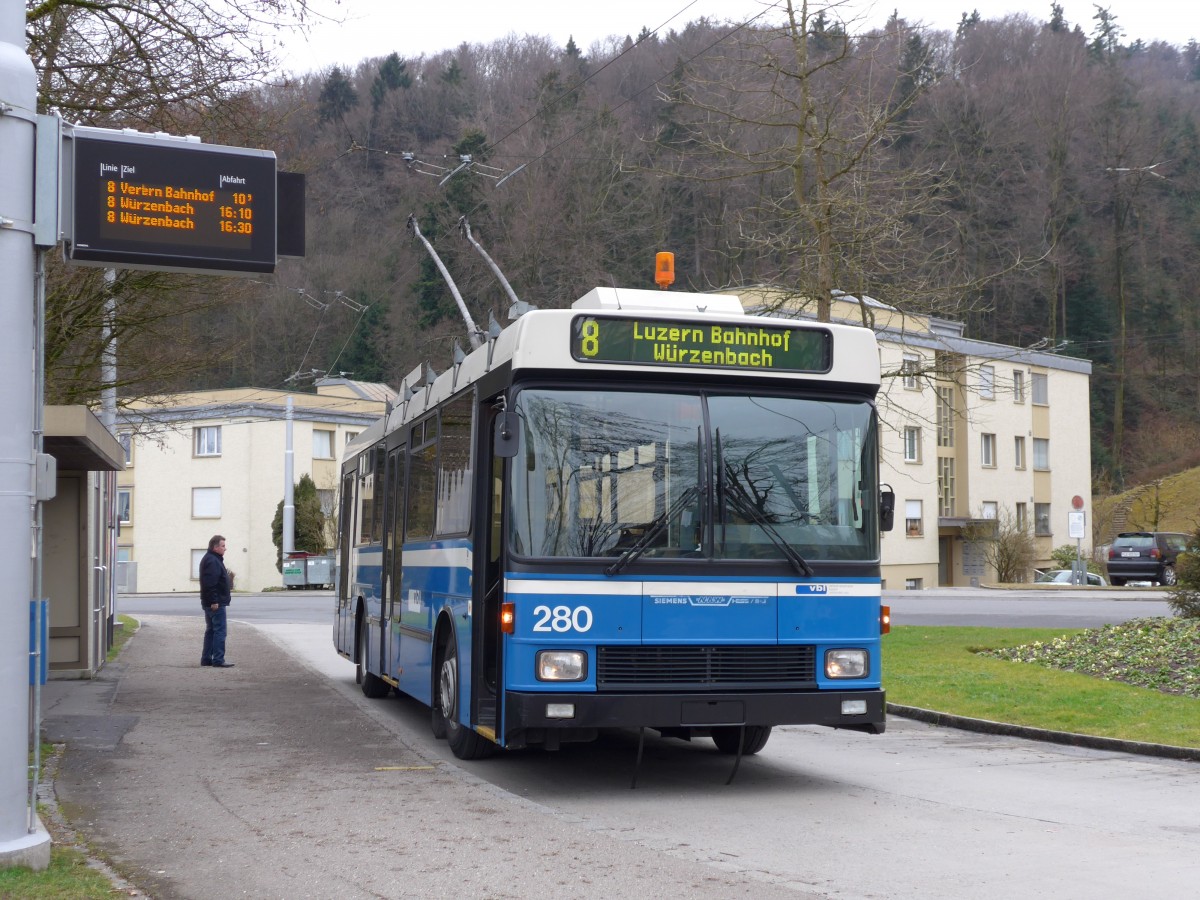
x: 1145, y: 556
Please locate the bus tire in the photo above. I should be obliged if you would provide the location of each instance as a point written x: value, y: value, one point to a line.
x: 372, y: 685
x: 464, y: 743
x: 726, y: 738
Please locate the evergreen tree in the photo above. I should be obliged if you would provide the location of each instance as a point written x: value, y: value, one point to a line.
x: 337, y: 98
x: 310, y: 521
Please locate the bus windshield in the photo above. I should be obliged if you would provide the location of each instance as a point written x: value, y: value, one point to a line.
x: 629, y: 474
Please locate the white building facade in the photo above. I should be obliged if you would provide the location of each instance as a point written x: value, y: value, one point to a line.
x: 213, y: 462
x: 974, y: 434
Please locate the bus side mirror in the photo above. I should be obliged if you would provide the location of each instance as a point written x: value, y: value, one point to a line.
x: 887, y: 508
x: 507, y: 435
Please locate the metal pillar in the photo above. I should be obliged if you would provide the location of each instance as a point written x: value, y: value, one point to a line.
x: 22, y: 840
x: 289, y: 491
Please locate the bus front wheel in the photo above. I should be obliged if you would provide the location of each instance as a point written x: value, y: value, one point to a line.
x: 464, y: 742
x: 727, y: 738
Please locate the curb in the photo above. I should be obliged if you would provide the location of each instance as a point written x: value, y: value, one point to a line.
x: 1092, y: 742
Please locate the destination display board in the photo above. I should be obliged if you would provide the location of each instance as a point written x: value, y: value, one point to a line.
x: 654, y: 341
x: 144, y: 202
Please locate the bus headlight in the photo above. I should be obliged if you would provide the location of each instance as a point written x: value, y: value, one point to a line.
x: 561, y: 665
x: 846, y: 664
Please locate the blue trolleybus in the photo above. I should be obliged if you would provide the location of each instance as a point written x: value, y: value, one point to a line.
x: 650, y: 510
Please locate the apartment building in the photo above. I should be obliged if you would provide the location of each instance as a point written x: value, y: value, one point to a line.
x: 213, y: 462
x: 973, y: 434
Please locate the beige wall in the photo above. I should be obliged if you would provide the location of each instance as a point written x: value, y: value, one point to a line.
x: 1064, y: 421
x: 164, y: 471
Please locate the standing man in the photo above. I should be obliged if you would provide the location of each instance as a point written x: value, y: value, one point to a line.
x: 215, y: 584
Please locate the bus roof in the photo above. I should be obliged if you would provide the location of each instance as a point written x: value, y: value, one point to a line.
x: 549, y: 340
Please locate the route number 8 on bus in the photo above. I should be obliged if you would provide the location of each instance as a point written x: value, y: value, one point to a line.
x: 651, y: 510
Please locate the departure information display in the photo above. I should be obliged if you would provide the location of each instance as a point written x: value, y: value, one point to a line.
x: 144, y: 202
x: 657, y: 341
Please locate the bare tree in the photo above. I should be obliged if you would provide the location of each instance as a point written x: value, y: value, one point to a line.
x: 179, y: 65
x: 150, y: 61
x: 1008, y: 547
x: 805, y: 119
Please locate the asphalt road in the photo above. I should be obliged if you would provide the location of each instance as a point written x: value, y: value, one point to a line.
x: 1047, y: 608
x: 279, y: 779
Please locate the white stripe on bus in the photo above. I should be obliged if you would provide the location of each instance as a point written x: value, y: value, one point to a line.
x: 577, y: 587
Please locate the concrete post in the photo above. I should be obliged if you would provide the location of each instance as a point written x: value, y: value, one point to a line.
x: 21, y: 843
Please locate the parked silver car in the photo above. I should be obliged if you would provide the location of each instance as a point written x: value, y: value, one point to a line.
x: 1065, y: 576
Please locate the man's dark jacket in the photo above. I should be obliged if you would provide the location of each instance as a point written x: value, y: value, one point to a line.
x: 214, y: 580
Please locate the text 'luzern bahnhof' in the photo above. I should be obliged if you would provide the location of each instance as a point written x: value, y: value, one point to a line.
x: 655, y: 341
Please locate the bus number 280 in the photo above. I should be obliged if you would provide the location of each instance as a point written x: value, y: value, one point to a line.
x: 562, y: 618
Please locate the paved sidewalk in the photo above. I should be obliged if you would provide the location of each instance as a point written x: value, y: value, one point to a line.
x: 264, y: 781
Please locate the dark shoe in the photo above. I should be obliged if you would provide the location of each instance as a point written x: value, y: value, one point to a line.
x: 222, y: 665
x: 205, y: 663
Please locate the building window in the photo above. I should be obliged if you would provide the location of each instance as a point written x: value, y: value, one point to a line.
x: 914, y: 584
x: 125, y: 506
x: 322, y: 444
x: 124, y: 554
x: 914, y: 521
x: 208, y: 440
x: 1022, y: 517
x: 987, y: 382
x: 987, y: 450
x: 197, y: 555
x: 1041, y: 518
x: 991, y: 510
x: 351, y: 435
x: 909, y: 367
x: 1019, y: 451
x: 945, y: 417
x: 1041, y: 390
x: 912, y: 444
x: 206, y: 503
x: 1041, y: 454
x: 125, y: 439
x: 328, y: 500
x: 1018, y: 386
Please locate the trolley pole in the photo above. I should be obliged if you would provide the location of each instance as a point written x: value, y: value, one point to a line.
x: 22, y: 839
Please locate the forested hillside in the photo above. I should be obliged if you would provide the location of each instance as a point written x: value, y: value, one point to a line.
x: 1035, y: 179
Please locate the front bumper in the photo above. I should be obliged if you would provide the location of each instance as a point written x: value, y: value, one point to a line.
x: 524, y: 711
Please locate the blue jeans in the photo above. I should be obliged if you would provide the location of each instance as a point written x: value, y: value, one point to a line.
x: 214, y: 636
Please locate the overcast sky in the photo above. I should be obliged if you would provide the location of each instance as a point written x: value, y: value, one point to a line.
x: 374, y: 28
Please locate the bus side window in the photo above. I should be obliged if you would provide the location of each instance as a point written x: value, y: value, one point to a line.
x: 454, y: 479
x: 346, y: 528
x: 366, y: 495
x: 422, y: 485
x: 381, y: 489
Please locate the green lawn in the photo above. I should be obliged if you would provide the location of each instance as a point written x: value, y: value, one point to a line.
x: 68, y: 878
x: 938, y: 669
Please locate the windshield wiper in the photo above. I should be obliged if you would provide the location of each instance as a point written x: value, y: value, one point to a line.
x: 743, y: 505
x: 653, y: 530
